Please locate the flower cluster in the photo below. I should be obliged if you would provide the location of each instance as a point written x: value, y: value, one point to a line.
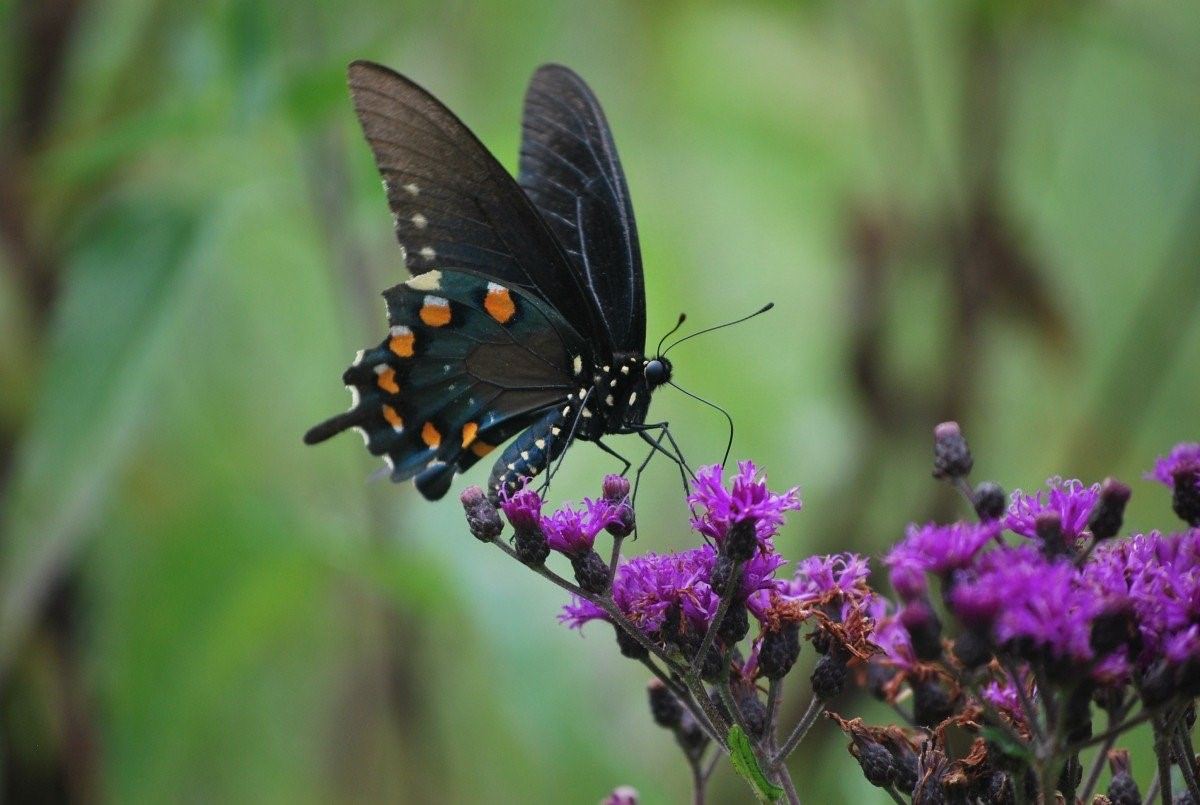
x: 1058, y: 616
x: 1013, y: 626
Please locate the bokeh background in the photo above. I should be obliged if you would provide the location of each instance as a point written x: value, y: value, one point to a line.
x: 969, y: 210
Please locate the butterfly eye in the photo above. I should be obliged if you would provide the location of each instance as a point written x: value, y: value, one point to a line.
x: 657, y: 372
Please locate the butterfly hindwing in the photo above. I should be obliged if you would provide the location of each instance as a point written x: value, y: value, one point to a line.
x: 571, y: 172
x: 454, y: 205
x: 467, y: 364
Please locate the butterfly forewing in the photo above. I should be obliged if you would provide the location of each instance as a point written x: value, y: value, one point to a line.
x: 571, y: 172
x: 454, y: 205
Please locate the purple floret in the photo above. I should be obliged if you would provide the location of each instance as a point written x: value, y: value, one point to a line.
x: 1070, y: 500
x: 747, y: 499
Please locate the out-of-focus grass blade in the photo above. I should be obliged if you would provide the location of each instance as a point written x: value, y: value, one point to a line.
x: 124, y: 290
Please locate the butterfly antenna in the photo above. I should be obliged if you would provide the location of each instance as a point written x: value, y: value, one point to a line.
x: 760, y: 311
x: 678, y: 324
x: 724, y: 413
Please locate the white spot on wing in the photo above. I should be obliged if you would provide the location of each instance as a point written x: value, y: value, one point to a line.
x: 428, y: 253
x: 633, y: 398
x: 380, y: 368
x: 435, y: 301
x: 412, y: 189
x: 540, y: 444
x: 578, y: 364
x: 427, y: 281
x: 400, y: 330
x: 361, y: 433
x: 420, y: 221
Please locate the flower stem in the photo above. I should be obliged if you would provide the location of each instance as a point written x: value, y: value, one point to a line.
x: 731, y: 585
x: 699, y: 781
x: 616, y: 556
x: 1187, y: 765
x: 774, y: 695
x: 1162, y: 751
x: 1108, y: 737
x: 815, y: 708
x: 1111, y: 734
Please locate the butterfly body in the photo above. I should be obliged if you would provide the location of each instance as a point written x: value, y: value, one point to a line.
x: 525, y: 314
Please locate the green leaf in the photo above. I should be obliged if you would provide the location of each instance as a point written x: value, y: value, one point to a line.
x: 746, y: 764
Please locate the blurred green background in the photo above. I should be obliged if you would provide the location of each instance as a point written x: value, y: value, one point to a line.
x: 980, y: 211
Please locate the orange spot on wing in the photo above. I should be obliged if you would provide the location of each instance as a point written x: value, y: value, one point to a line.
x: 435, y: 313
x: 431, y: 436
x: 401, y: 342
x: 468, y: 433
x: 499, y: 304
x: 481, y: 449
x: 387, y: 381
x: 393, y: 418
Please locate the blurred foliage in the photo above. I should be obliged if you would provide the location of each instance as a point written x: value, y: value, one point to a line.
x: 983, y: 211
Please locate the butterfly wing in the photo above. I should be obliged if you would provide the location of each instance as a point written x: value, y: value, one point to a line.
x: 467, y: 364
x: 571, y: 172
x: 454, y: 205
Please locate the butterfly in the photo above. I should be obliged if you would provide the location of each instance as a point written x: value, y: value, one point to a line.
x: 525, y: 314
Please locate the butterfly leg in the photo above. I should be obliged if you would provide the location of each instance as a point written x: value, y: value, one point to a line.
x: 615, y: 455
x: 664, y: 432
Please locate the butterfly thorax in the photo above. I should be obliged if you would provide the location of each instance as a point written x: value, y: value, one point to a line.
x: 617, y: 399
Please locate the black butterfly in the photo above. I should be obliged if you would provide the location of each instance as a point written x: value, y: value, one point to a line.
x: 526, y: 312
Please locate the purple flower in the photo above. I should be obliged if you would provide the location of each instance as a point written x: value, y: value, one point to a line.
x: 523, y: 508
x: 1070, y: 500
x: 839, y: 578
x: 1183, y: 457
x: 1157, y: 577
x: 573, y: 532
x: 821, y: 578
x: 890, y: 634
x: 1031, y: 600
x: 933, y: 548
x: 647, y: 586
x: 580, y: 611
x: 747, y: 500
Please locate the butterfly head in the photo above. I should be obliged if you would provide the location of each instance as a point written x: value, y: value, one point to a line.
x: 657, y: 371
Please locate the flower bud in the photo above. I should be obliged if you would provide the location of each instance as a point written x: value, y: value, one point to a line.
x: 531, y: 546
x: 721, y: 571
x: 1109, y: 513
x: 951, y: 456
x: 616, y: 491
x: 1048, y: 527
x: 828, y: 676
x: 741, y: 541
x: 1122, y: 789
x: 482, y: 517
x: 1186, y: 497
x: 624, y: 795
x: 931, y: 702
x: 924, y: 630
x: 615, y: 488
x: 591, y: 573
x: 629, y: 645
x: 735, y: 624
x: 973, y: 649
x: 754, y: 712
x: 779, y: 650
x: 664, y: 707
x: 989, y: 501
x: 876, y: 761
